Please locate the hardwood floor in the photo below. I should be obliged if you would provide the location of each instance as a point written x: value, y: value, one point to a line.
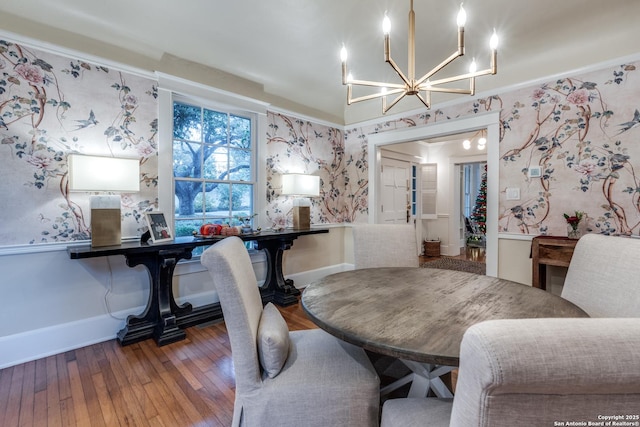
x: 188, y: 383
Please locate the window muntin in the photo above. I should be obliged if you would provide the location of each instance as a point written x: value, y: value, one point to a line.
x: 213, y: 166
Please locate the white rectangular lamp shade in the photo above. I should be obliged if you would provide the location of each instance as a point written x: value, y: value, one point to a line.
x: 104, y: 174
x: 302, y: 186
x: 94, y: 173
x: 295, y: 184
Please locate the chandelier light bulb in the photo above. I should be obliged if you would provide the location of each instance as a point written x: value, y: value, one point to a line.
x: 482, y: 141
x: 473, y: 67
x: 349, y: 78
x: 481, y: 146
x: 466, y: 144
x: 386, y: 24
x: 343, y: 54
x: 493, y: 42
x: 462, y: 17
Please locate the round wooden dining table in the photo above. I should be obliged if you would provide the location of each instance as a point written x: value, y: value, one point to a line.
x: 421, y: 314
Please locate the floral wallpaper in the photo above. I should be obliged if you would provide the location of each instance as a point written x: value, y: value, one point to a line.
x: 581, y: 131
x: 52, y: 106
x: 300, y: 146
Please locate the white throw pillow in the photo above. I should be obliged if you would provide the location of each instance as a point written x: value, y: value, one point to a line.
x: 273, y: 340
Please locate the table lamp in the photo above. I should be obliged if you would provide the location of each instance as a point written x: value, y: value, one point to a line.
x: 302, y: 187
x: 104, y: 174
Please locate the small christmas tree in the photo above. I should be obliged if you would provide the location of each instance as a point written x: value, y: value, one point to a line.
x: 479, y: 213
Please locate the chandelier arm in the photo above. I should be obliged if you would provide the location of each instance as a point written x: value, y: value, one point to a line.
x: 439, y: 67
x: 395, y: 101
x: 455, y: 79
x: 448, y: 90
x: 426, y: 104
x: 375, y: 95
x: 376, y: 84
x: 399, y: 71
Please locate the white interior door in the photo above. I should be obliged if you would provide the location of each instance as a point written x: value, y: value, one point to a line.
x: 395, y: 207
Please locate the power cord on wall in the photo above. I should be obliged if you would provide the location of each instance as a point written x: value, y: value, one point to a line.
x: 109, y: 290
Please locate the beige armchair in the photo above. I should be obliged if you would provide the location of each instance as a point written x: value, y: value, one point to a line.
x: 537, y: 371
x: 286, y: 378
x: 533, y: 372
x: 604, y: 276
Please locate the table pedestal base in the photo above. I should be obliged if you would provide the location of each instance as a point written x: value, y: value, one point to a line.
x: 424, y: 377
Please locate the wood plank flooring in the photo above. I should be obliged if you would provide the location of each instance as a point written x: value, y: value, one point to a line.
x: 188, y: 383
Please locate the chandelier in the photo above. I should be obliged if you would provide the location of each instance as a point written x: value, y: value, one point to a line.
x: 410, y: 85
x: 482, y: 141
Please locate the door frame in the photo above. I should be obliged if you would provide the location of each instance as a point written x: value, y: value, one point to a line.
x: 489, y: 121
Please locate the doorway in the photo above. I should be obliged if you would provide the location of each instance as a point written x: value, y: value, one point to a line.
x: 473, y: 203
x: 489, y: 121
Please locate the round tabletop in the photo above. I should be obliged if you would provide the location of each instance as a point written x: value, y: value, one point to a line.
x: 421, y: 314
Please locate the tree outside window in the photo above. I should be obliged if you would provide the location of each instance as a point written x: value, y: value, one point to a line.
x: 212, y: 167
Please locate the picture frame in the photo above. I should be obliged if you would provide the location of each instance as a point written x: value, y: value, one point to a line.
x: 158, y: 227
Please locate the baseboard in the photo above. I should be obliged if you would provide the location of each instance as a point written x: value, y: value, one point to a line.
x: 44, y: 342
x: 37, y: 344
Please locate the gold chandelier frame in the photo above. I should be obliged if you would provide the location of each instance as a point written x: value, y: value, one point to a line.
x: 410, y: 85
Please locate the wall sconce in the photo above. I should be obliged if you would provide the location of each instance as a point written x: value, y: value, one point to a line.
x: 302, y: 187
x: 104, y: 174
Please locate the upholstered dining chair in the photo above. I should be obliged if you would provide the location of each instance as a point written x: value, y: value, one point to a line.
x: 384, y: 245
x: 286, y: 378
x: 604, y: 275
x: 535, y: 372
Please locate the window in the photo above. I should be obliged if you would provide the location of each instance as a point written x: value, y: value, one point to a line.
x: 213, y: 166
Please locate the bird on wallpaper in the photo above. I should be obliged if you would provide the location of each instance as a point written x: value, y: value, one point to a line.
x: 90, y: 122
x: 630, y: 125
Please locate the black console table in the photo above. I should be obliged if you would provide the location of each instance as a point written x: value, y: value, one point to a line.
x: 163, y: 319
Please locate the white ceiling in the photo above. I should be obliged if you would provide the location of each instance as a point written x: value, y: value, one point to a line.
x: 291, y: 47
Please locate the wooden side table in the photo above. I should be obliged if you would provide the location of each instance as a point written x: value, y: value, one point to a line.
x: 549, y: 250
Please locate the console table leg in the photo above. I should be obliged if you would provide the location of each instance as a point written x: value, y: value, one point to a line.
x: 167, y: 330
x: 276, y: 288
x: 158, y: 320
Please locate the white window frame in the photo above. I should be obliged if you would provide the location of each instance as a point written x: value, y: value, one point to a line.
x: 254, y: 173
x: 172, y: 89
